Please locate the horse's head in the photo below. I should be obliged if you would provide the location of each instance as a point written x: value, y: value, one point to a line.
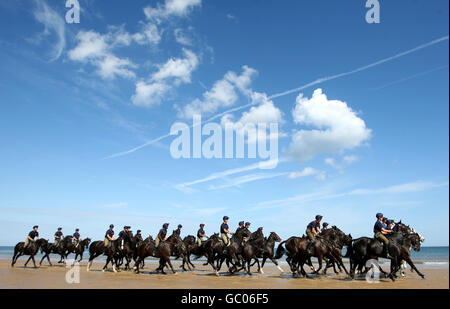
x: 415, y: 241
x: 87, y: 241
x: 189, y: 240
x: 274, y: 236
x: 41, y: 243
x: 402, y: 228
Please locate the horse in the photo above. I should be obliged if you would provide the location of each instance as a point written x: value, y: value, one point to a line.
x: 233, y: 252
x: 79, y: 249
x: 402, y: 240
x: 125, y: 249
x: 268, y: 250
x: 191, y: 246
x: 365, y: 248
x: 144, y: 249
x: 336, y: 240
x: 57, y: 249
x: 30, y: 250
x: 212, y: 247
x: 253, y: 249
x: 293, y: 245
x: 165, y: 250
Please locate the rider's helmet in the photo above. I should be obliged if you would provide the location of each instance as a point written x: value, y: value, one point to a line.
x: 379, y: 215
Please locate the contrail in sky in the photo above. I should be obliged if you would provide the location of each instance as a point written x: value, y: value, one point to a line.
x: 315, y: 82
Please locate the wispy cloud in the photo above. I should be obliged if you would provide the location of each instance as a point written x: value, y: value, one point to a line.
x: 417, y: 186
x: 411, y: 77
x: 236, y: 182
x: 186, y: 185
x: 52, y: 22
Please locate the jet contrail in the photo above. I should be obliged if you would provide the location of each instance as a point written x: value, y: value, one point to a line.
x: 277, y: 95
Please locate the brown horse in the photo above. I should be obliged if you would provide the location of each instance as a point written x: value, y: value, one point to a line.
x: 144, y: 249
x: 165, y: 250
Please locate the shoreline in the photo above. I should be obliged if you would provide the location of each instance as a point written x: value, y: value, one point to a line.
x: 46, y: 277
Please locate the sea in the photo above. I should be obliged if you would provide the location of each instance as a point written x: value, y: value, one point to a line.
x: 432, y: 257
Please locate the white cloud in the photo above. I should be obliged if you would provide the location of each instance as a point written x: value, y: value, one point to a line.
x: 52, y: 22
x: 111, y: 66
x: 307, y: 171
x: 222, y: 94
x: 96, y: 49
x: 171, y: 8
x: 339, y: 127
x: 148, y: 35
x: 149, y: 94
x: 346, y: 161
x: 182, y: 38
x: 178, y: 68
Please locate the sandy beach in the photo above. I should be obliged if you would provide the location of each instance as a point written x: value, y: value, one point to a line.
x: 201, y: 278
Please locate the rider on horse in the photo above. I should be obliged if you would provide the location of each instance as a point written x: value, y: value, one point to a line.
x: 76, y: 237
x: 240, y: 227
x: 139, y: 236
x: 200, y: 234
x: 313, y: 228
x: 58, y: 236
x: 179, y: 229
x: 109, y: 236
x: 124, y: 231
x: 225, y: 230
x: 247, y: 226
x: 380, y: 229
x: 31, y: 236
x: 162, y: 235
x: 324, y: 226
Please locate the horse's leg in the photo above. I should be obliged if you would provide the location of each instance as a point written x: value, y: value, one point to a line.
x: 410, y: 262
x: 319, y: 259
x: 276, y: 264
x: 13, y: 261
x: 261, y: 271
x: 27, y: 261
x: 170, y: 264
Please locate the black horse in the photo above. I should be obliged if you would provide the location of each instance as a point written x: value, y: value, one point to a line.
x: 253, y: 248
x: 268, y: 251
x: 232, y: 253
x: 77, y: 249
x: 60, y: 249
x: 294, y: 245
x: 30, y: 250
x: 144, y: 249
x: 400, y: 241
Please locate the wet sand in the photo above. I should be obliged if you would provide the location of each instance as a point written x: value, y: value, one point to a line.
x: 201, y: 278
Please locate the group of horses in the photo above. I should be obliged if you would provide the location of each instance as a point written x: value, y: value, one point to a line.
x: 244, y: 250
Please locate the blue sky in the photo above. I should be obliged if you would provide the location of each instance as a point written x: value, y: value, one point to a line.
x: 368, y: 131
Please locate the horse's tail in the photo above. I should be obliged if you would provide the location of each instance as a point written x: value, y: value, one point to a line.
x: 349, y: 250
x: 280, y: 251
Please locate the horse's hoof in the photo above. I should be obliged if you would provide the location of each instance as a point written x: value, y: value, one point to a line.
x: 217, y: 274
x: 103, y: 270
x: 262, y: 272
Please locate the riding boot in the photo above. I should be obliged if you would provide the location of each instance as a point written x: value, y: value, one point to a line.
x: 386, y: 252
x: 308, y: 246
